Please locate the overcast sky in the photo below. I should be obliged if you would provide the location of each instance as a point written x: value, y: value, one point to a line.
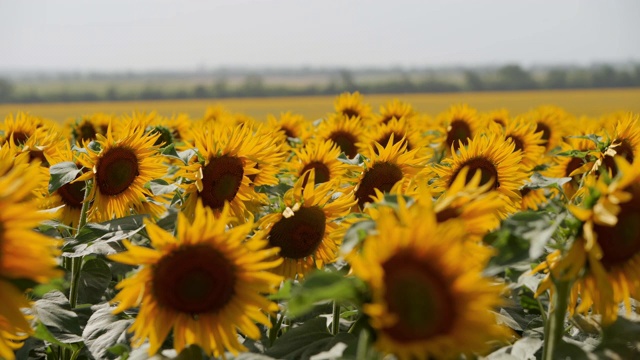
x: 123, y: 35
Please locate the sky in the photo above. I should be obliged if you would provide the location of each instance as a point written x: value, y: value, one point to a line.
x: 144, y: 35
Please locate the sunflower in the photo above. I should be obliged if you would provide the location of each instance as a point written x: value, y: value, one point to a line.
x: 322, y: 156
x: 305, y: 228
x: 497, y: 162
x: 33, y: 260
x: 605, y: 260
x: 389, y: 166
x: 499, y: 117
x: 18, y: 130
x: 344, y: 132
x: 11, y: 339
x: 88, y: 127
x: 459, y: 124
x: 426, y: 303
x: 532, y: 199
x: 120, y: 170
x: 69, y: 196
x: 478, y: 210
x: 228, y: 159
x: 219, y: 115
x: 204, y: 283
x: 394, y: 109
x: 289, y: 125
x: 526, y: 140
x: 625, y: 141
x: 269, y: 156
x: 574, y: 166
x: 400, y: 131
x: 352, y: 105
x: 552, y: 122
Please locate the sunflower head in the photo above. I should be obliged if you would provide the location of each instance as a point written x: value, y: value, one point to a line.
x: 342, y: 131
x: 460, y: 124
x: 395, y: 131
x: 352, y: 105
x: 305, y: 226
x: 425, y: 303
x: 120, y: 169
x: 321, y: 156
x: 206, y: 283
x: 394, y: 109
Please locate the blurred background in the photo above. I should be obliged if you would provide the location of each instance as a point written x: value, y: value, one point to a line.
x: 105, y: 50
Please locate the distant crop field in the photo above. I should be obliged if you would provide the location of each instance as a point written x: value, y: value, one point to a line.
x: 579, y: 102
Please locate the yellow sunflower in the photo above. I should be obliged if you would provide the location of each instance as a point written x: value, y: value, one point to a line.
x: 11, y: 339
x: 228, y: 159
x: 290, y: 125
x: 206, y: 283
x: 120, y: 170
x: 305, y: 228
x: 352, y: 105
x: 459, y: 125
x: 218, y: 114
x: 478, y: 210
x: 497, y: 161
x: 394, y: 109
x: 269, y: 156
x: 532, y: 199
x: 426, y: 303
x: 389, y: 166
x: 18, y: 130
x: 625, y: 142
x: 69, y: 196
x: 499, y: 117
x: 605, y: 260
x: 86, y: 128
x: 400, y: 131
x: 552, y: 122
x: 574, y: 166
x: 522, y: 132
x: 344, y: 132
x: 34, y: 259
x: 322, y: 156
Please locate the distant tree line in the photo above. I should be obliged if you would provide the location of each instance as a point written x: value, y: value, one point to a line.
x: 508, y: 77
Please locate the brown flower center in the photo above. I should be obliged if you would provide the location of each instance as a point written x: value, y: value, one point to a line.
x: 419, y: 297
x: 194, y: 279
x: 221, y: 180
x: 290, y: 133
x: 517, y: 142
x: 621, y: 242
x: 116, y: 170
x: 499, y: 122
x: 300, y: 235
x: 19, y: 137
x: 346, y: 141
x: 447, y: 214
x: 574, y: 164
x: 322, y: 173
x: 39, y: 155
x: 381, y: 176
x: 349, y: 113
x: 485, y: 166
x: 546, y: 132
x: 460, y: 131
x: 72, y: 194
x: 87, y: 131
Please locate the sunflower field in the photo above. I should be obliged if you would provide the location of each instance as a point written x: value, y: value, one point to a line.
x: 361, y: 235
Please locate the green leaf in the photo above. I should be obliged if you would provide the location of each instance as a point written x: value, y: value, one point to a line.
x: 538, y: 181
x: 321, y: 286
x: 284, y: 293
x: 62, y: 174
x: 356, y: 234
x: 309, y: 339
x: 106, y: 334
x: 574, y: 154
x: 160, y: 187
x: 106, y: 231
x: 57, y: 323
x: 526, y: 348
x: 621, y: 337
x: 95, y: 277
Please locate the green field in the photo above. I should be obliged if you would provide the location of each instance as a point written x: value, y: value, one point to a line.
x: 578, y: 102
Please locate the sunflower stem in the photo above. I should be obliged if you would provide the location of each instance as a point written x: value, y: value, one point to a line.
x: 76, y: 262
x: 362, y: 351
x: 335, y: 323
x: 554, y: 327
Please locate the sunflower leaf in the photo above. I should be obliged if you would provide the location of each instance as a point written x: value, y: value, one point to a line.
x: 321, y: 286
x: 308, y: 339
x: 62, y: 174
x: 57, y: 323
x: 160, y: 187
x: 94, y: 280
x: 105, y: 331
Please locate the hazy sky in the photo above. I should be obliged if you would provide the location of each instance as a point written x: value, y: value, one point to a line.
x: 161, y: 34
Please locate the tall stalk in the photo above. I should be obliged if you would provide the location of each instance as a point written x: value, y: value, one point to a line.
x: 554, y: 327
x: 76, y: 262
